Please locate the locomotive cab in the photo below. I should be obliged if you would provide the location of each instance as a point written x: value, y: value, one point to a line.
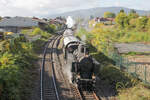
x: 72, y: 47
x: 83, y: 50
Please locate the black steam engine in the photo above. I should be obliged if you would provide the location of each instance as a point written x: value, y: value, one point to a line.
x: 83, y: 66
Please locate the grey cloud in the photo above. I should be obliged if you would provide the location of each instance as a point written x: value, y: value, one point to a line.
x: 48, y: 7
x: 40, y: 7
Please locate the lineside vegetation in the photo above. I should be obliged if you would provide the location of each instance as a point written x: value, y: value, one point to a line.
x: 127, y: 28
x: 17, y: 58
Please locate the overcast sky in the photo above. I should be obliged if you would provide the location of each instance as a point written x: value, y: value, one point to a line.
x: 49, y: 7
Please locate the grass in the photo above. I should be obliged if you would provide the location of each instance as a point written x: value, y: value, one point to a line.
x: 136, y: 53
x: 138, y: 92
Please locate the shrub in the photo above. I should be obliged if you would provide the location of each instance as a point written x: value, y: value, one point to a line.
x: 14, y: 61
x: 141, y: 23
x: 122, y: 20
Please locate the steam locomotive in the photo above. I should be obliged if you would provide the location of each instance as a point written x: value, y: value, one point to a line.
x: 83, y: 66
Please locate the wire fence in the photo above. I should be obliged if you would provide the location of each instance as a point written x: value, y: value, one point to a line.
x: 139, y: 70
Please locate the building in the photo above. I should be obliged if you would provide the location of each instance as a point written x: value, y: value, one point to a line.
x: 16, y: 24
x: 135, y: 52
x: 105, y: 20
x: 124, y: 48
x: 57, y: 20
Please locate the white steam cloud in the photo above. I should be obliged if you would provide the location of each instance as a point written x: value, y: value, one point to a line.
x: 83, y: 38
x: 70, y: 22
x: 67, y: 69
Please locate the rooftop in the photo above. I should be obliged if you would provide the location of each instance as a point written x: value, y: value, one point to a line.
x: 19, y: 22
x: 132, y: 47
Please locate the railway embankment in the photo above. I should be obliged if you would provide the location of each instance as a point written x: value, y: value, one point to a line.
x: 19, y: 64
x: 113, y: 80
x: 17, y: 60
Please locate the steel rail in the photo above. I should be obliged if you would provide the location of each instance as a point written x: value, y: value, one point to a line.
x: 53, y: 70
x: 42, y: 69
x: 52, y: 39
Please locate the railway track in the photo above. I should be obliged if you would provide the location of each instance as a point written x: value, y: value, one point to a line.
x: 49, y: 89
x: 83, y: 95
x: 86, y: 95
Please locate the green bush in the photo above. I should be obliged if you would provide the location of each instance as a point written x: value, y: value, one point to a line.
x: 45, y: 34
x: 14, y: 61
x: 37, y: 31
x: 50, y: 28
x: 109, y: 15
x: 122, y: 20
x: 142, y: 23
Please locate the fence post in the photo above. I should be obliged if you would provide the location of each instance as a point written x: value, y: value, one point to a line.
x: 127, y: 65
x: 135, y: 67
x: 116, y: 57
x: 121, y: 62
x: 145, y: 74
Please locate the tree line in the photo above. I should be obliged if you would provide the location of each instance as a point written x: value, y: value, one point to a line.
x: 132, y: 20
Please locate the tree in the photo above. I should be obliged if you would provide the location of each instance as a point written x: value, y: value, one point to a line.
x: 0, y: 18
x: 122, y: 20
x: 37, y: 31
x: 142, y: 22
x: 122, y: 11
x: 132, y: 11
x: 91, y: 17
x: 132, y: 22
x: 50, y: 28
x: 133, y: 14
x: 109, y: 15
x: 148, y: 24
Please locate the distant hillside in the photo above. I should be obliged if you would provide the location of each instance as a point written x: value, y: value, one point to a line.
x: 97, y: 12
